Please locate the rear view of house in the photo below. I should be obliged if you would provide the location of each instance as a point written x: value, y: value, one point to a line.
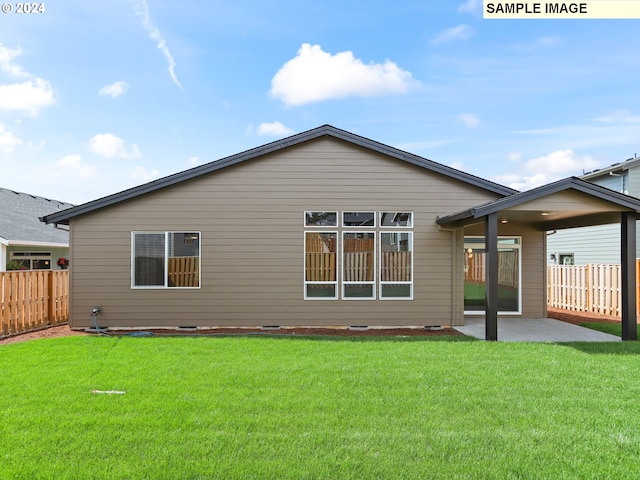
x: 319, y: 229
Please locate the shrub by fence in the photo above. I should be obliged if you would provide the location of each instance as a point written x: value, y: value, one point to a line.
x: 31, y: 299
x: 587, y: 288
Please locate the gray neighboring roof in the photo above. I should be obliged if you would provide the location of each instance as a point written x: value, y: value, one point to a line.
x: 571, y: 183
x: 325, y: 130
x: 616, y: 167
x: 20, y: 219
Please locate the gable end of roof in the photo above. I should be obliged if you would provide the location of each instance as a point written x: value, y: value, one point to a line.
x: 324, y: 130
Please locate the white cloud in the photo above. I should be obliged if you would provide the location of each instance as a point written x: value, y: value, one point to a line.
x: 458, y: 166
x: 6, y: 62
x: 548, y: 168
x: 70, y: 161
x: 471, y: 6
x: 274, y: 129
x: 8, y: 141
x: 110, y: 146
x: 469, y: 120
x: 27, y: 97
x: 114, y: 89
x: 193, y: 161
x: 460, y: 32
x: 514, y: 156
x: 156, y: 36
x: 314, y: 75
x: 144, y: 174
x: 618, y: 116
x: 74, y: 162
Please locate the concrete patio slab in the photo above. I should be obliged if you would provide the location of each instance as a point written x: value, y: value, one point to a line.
x: 535, y: 330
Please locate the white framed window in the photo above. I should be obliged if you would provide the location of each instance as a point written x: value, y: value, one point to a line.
x: 396, y: 219
x: 396, y: 265
x: 358, y: 265
x: 320, y: 265
x: 320, y: 219
x: 368, y: 255
x: 358, y: 219
x: 165, y: 260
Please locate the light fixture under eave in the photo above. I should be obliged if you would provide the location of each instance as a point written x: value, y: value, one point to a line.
x: 544, y: 214
x: 504, y: 220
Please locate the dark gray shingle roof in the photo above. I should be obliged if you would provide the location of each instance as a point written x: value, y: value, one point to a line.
x: 20, y: 222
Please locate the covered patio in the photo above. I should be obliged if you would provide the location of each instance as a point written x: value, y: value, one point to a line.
x: 535, y: 330
x: 564, y: 204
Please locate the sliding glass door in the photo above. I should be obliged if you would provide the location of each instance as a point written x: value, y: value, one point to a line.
x: 509, y: 267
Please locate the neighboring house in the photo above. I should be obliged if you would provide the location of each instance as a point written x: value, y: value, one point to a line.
x: 323, y: 228
x: 596, y: 244
x: 25, y: 242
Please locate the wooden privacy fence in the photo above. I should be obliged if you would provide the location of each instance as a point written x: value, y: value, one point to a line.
x: 587, y: 288
x: 31, y: 299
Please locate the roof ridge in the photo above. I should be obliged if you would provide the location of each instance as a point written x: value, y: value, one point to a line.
x: 34, y: 196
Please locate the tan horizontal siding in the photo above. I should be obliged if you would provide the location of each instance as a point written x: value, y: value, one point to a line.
x: 252, y: 242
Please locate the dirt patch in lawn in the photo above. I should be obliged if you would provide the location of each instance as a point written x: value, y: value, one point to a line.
x: 64, y: 331
x: 48, y: 332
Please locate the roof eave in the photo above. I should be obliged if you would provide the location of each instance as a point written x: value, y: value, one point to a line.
x: 64, y: 216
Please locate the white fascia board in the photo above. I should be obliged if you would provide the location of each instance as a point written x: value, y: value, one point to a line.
x: 27, y: 243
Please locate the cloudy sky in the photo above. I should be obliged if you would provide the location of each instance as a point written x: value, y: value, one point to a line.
x: 96, y: 97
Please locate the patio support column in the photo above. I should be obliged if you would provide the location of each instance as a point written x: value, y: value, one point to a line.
x: 628, y: 257
x: 491, y: 277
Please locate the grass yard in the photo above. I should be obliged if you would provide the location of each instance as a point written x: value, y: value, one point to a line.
x: 315, y: 408
x: 607, y: 327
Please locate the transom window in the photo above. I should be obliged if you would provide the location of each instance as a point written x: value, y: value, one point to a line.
x: 368, y: 259
x: 165, y: 259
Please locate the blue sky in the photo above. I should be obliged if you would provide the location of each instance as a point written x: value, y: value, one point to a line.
x: 97, y: 97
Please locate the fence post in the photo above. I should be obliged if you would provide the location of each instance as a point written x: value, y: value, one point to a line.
x: 50, y: 300
x: 588, y: 287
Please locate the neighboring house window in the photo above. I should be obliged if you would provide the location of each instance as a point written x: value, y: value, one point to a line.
x: 565, y: 258
x: 165, y: 259
x: 363, y: 247
x: 32, y: 260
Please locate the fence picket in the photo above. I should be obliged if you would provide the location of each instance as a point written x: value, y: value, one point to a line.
x: 592, y: 288
x: 33, y: 299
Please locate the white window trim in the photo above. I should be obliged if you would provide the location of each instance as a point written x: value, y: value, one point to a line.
x: 381, y: 282
x: 394, y: 227
x: 305, y: 282
x: 519, y: 246
x: 364, y: 227
x: 166, y: 260
x: 375, y: 266
x: 304, y: 219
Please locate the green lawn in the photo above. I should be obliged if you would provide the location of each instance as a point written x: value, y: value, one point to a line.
x: 266, y: 407
x: 607, y: 327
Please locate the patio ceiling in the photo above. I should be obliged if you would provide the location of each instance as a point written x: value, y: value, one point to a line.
x: 565, y: 204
